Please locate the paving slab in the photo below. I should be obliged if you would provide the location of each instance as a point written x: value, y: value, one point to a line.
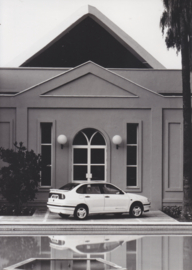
x: 44, y: 216
x: 44, y: 222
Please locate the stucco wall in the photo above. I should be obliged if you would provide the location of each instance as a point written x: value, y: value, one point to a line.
x: 106, y: 109
x: 71, y: 121
x: 172, y: 156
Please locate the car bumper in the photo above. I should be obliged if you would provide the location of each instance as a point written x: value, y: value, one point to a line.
x: 147, y: 207
x: 63, y: 209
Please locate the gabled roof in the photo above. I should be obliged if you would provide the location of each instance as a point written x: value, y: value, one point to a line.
x: 95, y: 17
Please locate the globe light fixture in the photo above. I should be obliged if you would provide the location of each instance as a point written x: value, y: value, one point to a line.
x: 117, y: 140
x: 62, y: 139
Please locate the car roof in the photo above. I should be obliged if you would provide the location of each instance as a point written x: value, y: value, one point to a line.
x: 92, y: 182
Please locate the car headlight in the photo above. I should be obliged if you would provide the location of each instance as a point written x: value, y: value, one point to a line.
x: 148, y: 201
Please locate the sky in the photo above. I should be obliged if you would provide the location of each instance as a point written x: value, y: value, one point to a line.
x: 26, y: 24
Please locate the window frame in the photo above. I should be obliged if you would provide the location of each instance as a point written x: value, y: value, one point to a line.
x: 89, y: 146
x: 53, y: 138
x: 138, y: 187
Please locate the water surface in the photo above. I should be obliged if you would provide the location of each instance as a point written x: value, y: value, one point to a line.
x: 90, y: 252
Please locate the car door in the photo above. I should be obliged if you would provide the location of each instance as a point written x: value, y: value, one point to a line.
x: 94, y: 198
x: 114, y: 199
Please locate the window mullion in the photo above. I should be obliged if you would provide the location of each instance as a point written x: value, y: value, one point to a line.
x: 89, y: 162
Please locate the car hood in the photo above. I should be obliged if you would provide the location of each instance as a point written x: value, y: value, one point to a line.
x: 58, y: 191
x: 136, y: 197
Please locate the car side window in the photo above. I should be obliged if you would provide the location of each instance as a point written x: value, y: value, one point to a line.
x: 81, y: 190
x: 109, y: 189
x: 93, y: 189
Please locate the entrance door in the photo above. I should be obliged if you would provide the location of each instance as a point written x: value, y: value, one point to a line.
x: 89, y: 156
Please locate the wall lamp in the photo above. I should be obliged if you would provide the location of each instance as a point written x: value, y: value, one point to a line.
x: 117, y: 140
x: 62, y: 139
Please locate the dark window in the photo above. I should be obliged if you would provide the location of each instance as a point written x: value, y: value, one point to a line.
x: 98, y: 139
x: 98, y: 172
x: 89, y: 132
x: 132, y: 133
x: 79, y: 172
x: 80, y: 139
x: 132, y: 154
x: 97, y: 156
x: 46, y: 132
x: 79, y: 156
x: 46, y: 176
x: 46, y: 152
x: 131, y: 176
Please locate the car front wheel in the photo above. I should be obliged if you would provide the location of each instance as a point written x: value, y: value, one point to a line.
x: 136, y: 210
x: 81, y: 212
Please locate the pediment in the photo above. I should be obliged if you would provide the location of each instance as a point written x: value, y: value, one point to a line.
x: 89, y: 80
x: 89, y: 85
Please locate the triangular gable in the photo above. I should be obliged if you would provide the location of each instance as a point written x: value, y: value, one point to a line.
x: 113, y: 47
x: 89, y: 85
x: 115, y: 85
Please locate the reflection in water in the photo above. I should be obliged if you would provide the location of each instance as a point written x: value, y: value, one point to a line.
x: 16, y: 249
x: 187, y: 253
x: 94, y: 251
x: 64, y: 264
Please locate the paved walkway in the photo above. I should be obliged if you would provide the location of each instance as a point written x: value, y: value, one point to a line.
x: 45, y: 223
x: 43, y: 216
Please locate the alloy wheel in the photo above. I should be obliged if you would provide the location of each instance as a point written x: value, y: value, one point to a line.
x: 81, y: 213
x: 136, y: 211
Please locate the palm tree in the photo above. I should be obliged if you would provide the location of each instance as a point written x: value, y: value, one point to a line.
x: 177, y: 20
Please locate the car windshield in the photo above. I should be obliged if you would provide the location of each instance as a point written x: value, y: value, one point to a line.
x: 69, y: 186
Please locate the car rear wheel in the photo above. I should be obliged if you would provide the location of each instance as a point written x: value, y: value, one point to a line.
x: 63, y: 215
x: 136, y: 210
x: 81, y: 212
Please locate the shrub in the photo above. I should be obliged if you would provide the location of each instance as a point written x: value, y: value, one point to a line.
x: 172, y: 211
x: 176, y: 212
x: 19, y: 180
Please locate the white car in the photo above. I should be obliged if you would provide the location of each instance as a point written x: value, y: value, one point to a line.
x: 82, y: 199
x: 89, y: 244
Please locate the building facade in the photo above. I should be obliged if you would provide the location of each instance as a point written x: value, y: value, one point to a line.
x: 90, y: 83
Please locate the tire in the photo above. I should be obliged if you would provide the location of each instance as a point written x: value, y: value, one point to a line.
x: 136, y: 210
x: 63, y: 215
x: 81, y: 212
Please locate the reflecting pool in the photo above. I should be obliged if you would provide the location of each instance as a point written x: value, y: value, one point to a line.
x: 91, y: 252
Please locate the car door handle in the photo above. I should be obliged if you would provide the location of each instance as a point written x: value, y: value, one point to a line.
x: 107, y: 196
x: 87, y: 196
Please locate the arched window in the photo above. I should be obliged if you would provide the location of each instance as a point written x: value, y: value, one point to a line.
x: 89, y: 156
